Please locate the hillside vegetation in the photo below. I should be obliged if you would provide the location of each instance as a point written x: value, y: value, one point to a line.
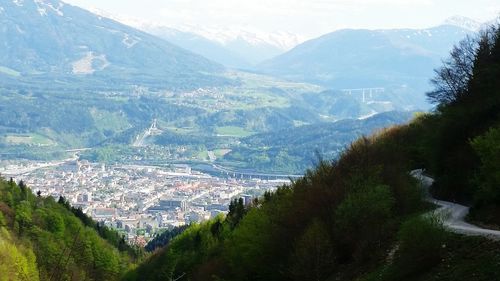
x: 296, y: 149
x: 358, y: 218
x: 41, y: 239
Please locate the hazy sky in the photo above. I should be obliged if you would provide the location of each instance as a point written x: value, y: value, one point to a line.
x: 305, y: 17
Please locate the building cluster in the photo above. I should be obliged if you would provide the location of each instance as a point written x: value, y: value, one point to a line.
x: 142, y: 200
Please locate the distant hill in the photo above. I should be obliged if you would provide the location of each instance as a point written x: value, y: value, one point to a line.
x: 48, y: 41
x: 297, y: 149
x: 401, y: 59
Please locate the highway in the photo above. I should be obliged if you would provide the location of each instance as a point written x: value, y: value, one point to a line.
x: 251, y: 174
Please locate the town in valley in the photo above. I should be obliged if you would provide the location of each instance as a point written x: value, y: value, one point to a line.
x: 139, y: 200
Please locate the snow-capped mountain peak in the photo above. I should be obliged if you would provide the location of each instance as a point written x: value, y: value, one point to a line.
x: 281, y: 39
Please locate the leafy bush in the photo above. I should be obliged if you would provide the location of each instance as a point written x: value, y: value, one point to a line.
x: 487, y: 178
x: 421, y: 246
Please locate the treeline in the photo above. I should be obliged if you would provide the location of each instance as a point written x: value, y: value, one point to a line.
x: 359, y: 217
x: 161, y: 240
x: 43, y: 240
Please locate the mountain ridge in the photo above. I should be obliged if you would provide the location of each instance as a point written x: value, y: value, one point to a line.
x: 330, y: 47
x: 46, y: 38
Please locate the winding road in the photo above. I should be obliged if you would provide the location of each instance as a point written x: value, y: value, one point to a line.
x: 452, y: 214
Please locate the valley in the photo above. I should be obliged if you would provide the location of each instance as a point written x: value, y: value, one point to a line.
x: 189, y: 124
x: 97, y: 83
x: 266, y: 140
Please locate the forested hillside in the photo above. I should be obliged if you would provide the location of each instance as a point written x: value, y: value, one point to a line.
x: 296, y: 149
x: 41, y: 239
x: 359, y: 217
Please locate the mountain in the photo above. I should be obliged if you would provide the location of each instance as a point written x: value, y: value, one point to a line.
x: 198, y: 44
x: 397, y: 60
x: 231, y: 47
x: 254, y: 46
x: 47, y: 41
x: 464, y: 22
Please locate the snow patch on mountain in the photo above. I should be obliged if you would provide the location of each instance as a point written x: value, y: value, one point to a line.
x: 43, y: 6
x: 19, y: 3
x: 130, y: 41
x: 464, y: 22
x: 114, y: 31
x: 280, y: 39
x: 224, y: 36
x: 90, y: 63
x: 20, y: 30
x: 42, y: 11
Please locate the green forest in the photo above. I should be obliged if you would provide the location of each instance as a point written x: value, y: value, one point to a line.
x: 359, y: 217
